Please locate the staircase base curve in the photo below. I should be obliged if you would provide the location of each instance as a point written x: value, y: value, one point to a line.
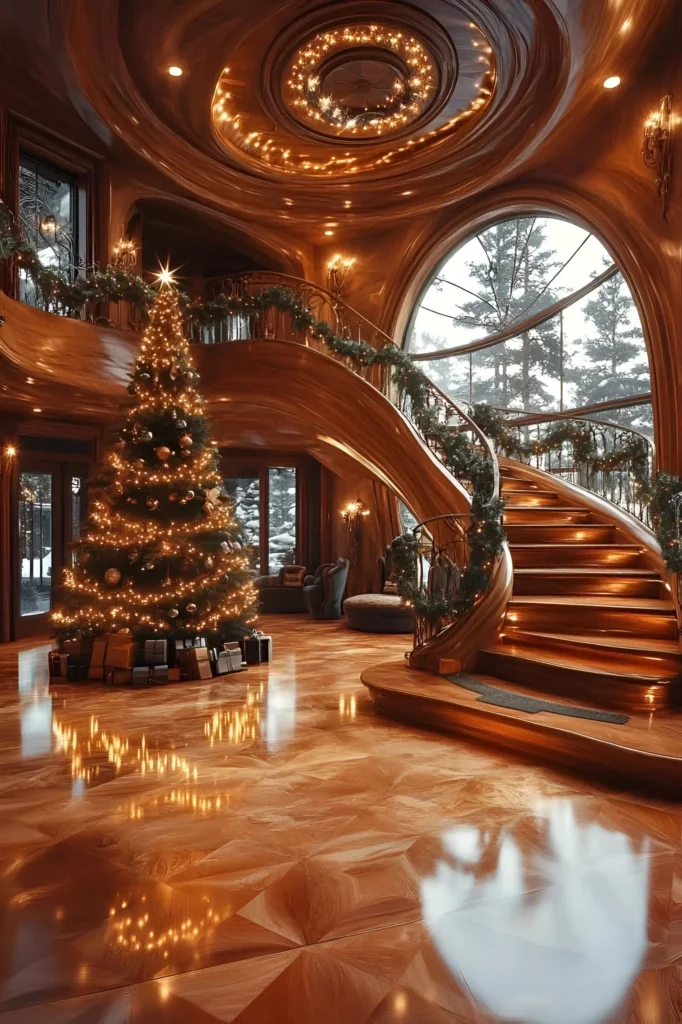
x: 644, y: 753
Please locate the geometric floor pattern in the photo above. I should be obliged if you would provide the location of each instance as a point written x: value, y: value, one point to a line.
x: 266, y: 849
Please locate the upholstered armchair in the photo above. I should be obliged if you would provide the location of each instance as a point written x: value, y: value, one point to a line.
x: 323, y: 592
x: 282, y: 592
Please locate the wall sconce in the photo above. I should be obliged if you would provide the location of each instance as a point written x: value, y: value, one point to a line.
x: 353, y: 515
x: 125, y: 255
x: 48, y: 226
x: 339, y: 272
x: 657, y: 147
x: 7, y: 459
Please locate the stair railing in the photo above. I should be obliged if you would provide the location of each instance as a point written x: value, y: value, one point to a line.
x: 439, y: 570
x: 620, y: 466
x: 447, y: 533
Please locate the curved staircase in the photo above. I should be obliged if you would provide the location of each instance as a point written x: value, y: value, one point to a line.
x: 587, y: 618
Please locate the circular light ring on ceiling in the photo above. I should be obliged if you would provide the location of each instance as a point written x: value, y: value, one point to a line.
x: 253, y: 120
x: 412, y: 80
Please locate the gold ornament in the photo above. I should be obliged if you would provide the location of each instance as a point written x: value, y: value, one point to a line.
x: 189, y: 496
x: 153, y: 504
x: 208, y: 562
x: 138, y: 464
x: 163, y: 453
x: 191, y: 608
x: 172, y: 496
x: 181, y: 425
x: 185, y: 441
x: 112, y: 577
x: 173, y: 613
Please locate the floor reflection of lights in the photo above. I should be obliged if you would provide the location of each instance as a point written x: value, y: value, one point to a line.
x: 141, y: 928
x: 547, y: 926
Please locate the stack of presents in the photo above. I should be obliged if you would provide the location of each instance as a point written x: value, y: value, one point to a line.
x: 117, y: 659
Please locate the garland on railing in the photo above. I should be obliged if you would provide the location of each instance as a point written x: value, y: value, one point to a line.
x: 666, y: 505
x: 633, y: 454
x: 485, y: 535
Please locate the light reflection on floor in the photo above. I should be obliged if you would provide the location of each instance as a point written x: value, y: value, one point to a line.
x: 549, y: 933
x: 288, y: 850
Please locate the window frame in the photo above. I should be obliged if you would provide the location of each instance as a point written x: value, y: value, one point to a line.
x: 91, y: 171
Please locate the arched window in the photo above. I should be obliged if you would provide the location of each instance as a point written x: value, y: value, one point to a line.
x: 531, y: 314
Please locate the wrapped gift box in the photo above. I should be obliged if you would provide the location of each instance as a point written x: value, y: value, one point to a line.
x: 78, y: 667
x: 99, y: 651
x: 200, y: 663
x: 156, y: 652
x: 141, y: 675
x: 58, y: 666
x: 118, y: 676
x: 257, y: 648
x: 229, y: 660
x: 121, y: 655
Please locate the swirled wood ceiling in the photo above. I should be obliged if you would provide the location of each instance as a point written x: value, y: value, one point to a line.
x: 400, y: 108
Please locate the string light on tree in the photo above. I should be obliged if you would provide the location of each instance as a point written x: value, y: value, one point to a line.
x: 157, y: 555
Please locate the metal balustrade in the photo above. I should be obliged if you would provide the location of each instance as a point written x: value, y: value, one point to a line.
x: 625, y: 485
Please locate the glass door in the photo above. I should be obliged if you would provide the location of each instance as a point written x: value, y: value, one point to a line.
x: 38, y: 529
x: 51, y: 505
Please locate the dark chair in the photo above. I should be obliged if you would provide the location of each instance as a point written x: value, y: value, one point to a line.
x: 282, y: 593
x: 323, y: 592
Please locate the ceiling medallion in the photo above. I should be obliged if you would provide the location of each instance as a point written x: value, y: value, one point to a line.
x: 360, y: 81
x: 354, y: 99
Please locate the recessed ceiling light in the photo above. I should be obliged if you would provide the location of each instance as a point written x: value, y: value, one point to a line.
x: 612, y: 82
x: 37, y: 410
x: 329, y: 232
x: 408, y: 193
x: 174, y: 71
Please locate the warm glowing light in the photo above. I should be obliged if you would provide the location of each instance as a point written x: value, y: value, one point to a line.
x: 612, y: 82
x: 174, y: 71
x: 166, y: 276
x: 37, y: 409
x: 10, y: 451
x: 329, y: 232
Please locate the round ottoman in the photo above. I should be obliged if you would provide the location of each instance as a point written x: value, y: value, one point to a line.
x: 378, y: 613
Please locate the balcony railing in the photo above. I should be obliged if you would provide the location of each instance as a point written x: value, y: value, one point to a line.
x: 620, y: 464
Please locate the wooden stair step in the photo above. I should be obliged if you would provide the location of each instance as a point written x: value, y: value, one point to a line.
x: 647, y: 750
x: 515, y: 483
x: 545, y: 515
x: 605, y: 555
x: 529, y: 498
x: 652, y: 655
x: 587, y: 580
x: 566, y: 613
x: 558, y: 533
x: 576, y: 679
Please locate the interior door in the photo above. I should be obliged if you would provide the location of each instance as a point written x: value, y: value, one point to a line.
x: 40, y: 549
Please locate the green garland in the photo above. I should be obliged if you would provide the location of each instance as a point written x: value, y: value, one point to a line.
x: 485, y: 535
x: 666, y: 512
x: 633, y: 454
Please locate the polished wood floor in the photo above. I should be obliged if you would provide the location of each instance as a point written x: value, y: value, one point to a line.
x: 266, y: 849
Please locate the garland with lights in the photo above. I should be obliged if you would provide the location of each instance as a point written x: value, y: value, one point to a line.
x: 632, y: 454
x: 485, y: 535
x: 159, y: 554
x: 666, y: 505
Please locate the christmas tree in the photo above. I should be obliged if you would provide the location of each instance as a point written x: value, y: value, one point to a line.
x: 159, y: 555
